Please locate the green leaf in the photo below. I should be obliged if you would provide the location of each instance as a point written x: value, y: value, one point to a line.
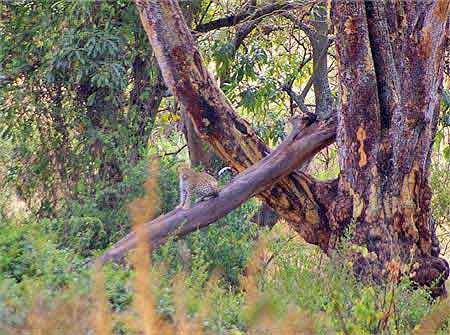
x: 144, y: 95
x: 91, y: 99
x: 438, y: 139
x: 447, y: 153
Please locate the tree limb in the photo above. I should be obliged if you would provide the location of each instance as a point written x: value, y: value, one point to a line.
x: 297, y: 148
x: 300, y: 99
x: 243, y: 31
x: 233, y: 20
x: 299, y: 199
x: 309, y: 31
x: 176, y: 152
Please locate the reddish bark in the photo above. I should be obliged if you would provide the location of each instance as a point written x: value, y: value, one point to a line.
x: 390, y: 60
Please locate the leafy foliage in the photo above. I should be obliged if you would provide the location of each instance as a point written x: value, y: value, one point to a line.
x: 82, y: 111
x: 289, y: 279
x: 73, y: 104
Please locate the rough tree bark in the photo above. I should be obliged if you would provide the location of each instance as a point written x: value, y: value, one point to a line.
x: 322, y: 92
x: 297, y: 197
x: 390, y: 62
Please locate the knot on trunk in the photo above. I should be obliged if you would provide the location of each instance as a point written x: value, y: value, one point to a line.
x: 432, y: 272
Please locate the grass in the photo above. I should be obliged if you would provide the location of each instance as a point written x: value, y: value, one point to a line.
x: 273, y: 285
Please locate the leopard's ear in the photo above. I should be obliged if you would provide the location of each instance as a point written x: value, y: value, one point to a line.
x: 184, y: 167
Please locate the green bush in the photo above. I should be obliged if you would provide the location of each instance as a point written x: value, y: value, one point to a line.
x: 28, y: 251
x: 327, y: 288
x: 88, y: 223
x: 292, y: 278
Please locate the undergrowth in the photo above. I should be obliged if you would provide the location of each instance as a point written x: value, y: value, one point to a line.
x: 231, y: 278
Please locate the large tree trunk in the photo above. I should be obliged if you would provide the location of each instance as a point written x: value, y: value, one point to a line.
x: 390, y: 59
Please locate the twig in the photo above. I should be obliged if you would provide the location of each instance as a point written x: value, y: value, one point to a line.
x: 172, y: 153
x: 267, y: 263
x: 233, y: 20
x: 205, y: 12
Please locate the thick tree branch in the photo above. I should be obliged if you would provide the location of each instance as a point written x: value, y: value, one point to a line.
x: 243, y: 31
x: 388, y: 79
x: 323, y: 98
x: 422, y: 49
x: 297, y: 148
x: 300, y: 199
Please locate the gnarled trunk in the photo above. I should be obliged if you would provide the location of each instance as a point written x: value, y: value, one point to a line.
x: 390, y: 59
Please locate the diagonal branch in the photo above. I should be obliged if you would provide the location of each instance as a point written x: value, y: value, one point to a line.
x: 312, y: 33
x: 298, y: 198
x: 296, y: 149
x: 243, y: 31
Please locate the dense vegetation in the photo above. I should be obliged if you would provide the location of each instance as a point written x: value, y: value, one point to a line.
x: 85, y: 112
